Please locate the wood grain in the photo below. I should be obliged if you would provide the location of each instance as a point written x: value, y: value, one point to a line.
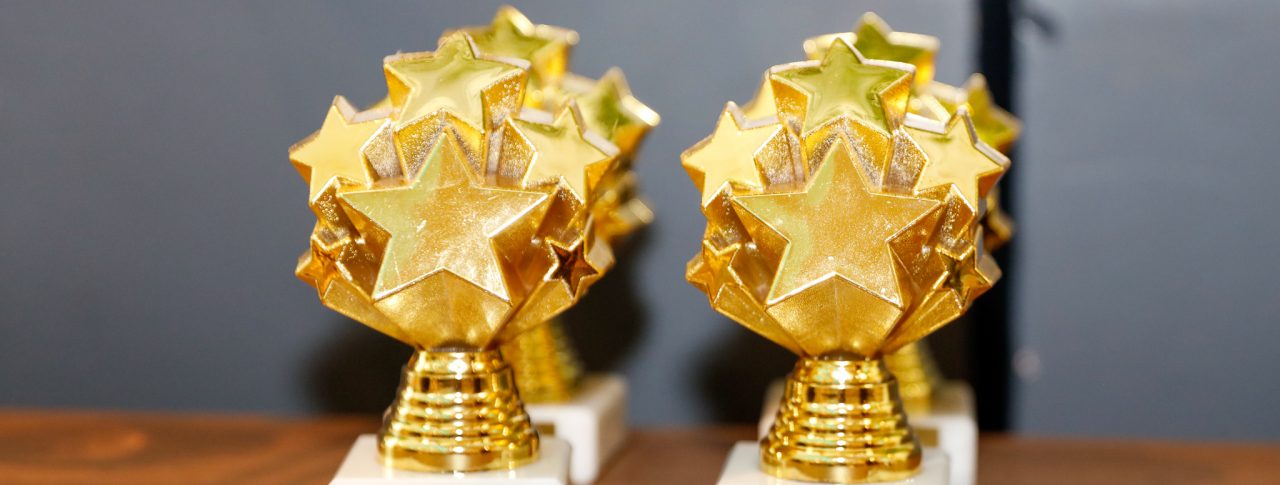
x: 43, y: 447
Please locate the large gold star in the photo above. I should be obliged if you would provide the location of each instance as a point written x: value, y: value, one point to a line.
x: 730, y: 155
x: 876, y: 40
x: 511, y: 34
x: 835, y: 228
x: 811, y: 94
x: 956, y: 156
x: 455, y: 79
x: 609, y: 109
x: 336, y: 151
x: 445, y: 220
x: 562, y: 153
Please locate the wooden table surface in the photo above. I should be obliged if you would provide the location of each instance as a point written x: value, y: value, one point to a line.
x: 128, y: 448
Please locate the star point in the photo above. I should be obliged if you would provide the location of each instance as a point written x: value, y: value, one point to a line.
x: 512, y: 34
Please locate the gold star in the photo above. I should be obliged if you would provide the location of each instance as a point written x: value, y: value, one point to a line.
x: 511, y: 34
x: 455, y: 79
x: 572, y: 266
x: 956, y: 156
x: 730, y: 156
x: 336, y: 150
x: 562, y: 153
x: 876, y: 40
x: 811, y: 94
x: 609, y: 109
x: 834, y: 228
x: 445, y: 221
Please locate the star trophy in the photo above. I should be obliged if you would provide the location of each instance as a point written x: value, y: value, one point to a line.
x: 942, y: 412
x: 844, y: 222
x: 472, y: 205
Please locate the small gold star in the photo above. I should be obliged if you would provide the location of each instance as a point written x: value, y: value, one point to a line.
x: 454, y: 79
x: 730, y: 155
x: 334, y: 154
x: 811, y: 94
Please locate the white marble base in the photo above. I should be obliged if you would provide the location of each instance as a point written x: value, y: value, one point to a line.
x: 362, y: 467
x: 743, y: 468
x: 952, y: 426
x: 594, y: 423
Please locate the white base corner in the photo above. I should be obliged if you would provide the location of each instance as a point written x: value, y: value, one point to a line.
x: 743, y: 468
x: 363, y: 467
x: 952, y: 425
x: 594, y: 423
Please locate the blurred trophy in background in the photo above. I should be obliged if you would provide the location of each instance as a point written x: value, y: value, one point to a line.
x: 942, y: 412
x: 589, y: 411
x: 844, y: 212
x: 461, y: 212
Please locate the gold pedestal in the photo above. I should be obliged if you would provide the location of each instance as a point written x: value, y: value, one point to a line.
x: 457, y: 411
x: 841, y: 421
x: 917, y: 374
x: 546, y: 367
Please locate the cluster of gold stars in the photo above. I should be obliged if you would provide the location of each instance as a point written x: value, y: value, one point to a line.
x: 482, y: 196
x: 845, y: 203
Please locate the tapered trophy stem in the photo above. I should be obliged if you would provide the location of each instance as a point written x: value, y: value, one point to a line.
x: 841, y: 421
x: 917, y: 374
x: 546, y: 367
x: 457, y: 411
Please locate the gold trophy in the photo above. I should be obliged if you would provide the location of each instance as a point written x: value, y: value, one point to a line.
x: 844, y: 226
x: 455, y: 216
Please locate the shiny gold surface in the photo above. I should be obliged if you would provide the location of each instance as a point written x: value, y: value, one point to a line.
x: 546, y: 367
x: 917, y: 375
x: 479, y: 199
x: 841, y: 421
x: 845, y: 226
x: 457, y: 411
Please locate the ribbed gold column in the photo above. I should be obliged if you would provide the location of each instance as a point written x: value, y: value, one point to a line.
x: 841, y: 421
x: 546, y: 366
x: 457, y: 411
x: 917, y: 375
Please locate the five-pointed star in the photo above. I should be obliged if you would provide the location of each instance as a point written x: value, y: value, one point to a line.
x: 336, y: 151
x: 729, y: 155
x: 876, y: 40
x: 572, y: 265
x: 836, y: 227
x: 562, y: 153
x: 844, y: 83
x: 718, y: 268
x: 511, y: 34
x: 444, y: 220
x: 453, y: 78
x: 955, y: 155
x: 610, y: 110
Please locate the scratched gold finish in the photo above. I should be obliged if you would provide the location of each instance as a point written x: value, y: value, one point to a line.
x: 478, y: 200
x: 844, y: 209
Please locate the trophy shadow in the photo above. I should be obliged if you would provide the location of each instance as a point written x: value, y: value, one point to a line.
x: 733, y: 376
x: 357, y: 371
x: 608, y: 322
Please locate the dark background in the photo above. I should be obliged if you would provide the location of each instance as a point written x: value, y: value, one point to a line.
x: 150, y: 220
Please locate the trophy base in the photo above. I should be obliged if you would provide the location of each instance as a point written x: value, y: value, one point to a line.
x: 363, y: 467
x: 743, y: 468
x: 951, y: 426
x: 594, y: 423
